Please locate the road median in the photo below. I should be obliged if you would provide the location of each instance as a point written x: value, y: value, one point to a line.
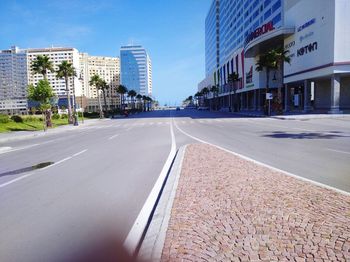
x: 227, y: 208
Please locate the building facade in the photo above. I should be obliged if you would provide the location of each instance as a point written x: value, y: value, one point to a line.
x: 136, y: 69
x: 315, y: 33
x: 13, y: 81
x: 108, y: 68
x: 56, y: 55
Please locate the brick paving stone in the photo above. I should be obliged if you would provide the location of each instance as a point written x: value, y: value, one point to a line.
x: 228, y: 208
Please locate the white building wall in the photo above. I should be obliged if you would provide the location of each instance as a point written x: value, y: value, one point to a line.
x: 312, y: 45
x: 342, y: 31
x: 57, y: 55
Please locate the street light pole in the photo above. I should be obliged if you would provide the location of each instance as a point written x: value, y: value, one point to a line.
x: 75, y: 105
x: 81, y: 101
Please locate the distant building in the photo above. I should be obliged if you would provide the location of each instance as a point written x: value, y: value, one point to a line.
x: 13, y: 81
x: 136, y: 69
x: 108, y: 68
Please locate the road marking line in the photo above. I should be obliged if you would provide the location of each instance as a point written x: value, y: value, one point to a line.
x: 20, y: 148
x: 15, y: 180
x: 339, y: 151
x: 133, y: 239
x: 57, y: 163
x: 113, y: 136
x: 30, y: 174
x: 79, y: 153
x: 129, y: 128
x: 266, y: 165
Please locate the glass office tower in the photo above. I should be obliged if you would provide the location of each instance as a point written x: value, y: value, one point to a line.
x: 136, y: 69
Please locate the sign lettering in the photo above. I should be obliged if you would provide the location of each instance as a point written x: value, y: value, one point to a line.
x: 260, y: 31
x: 307, y: 49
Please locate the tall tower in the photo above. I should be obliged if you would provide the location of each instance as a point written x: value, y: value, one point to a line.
x: 136, y: 69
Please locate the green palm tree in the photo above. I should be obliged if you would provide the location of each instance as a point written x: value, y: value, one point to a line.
x: 104, y: 88
x: 66, y: 70
x: 271, y: 60
x: 205, y: 92
x: 97, y: 82
x: 122, y: 90
x: 42, y: 65
x: 233, y: 79
x: 215, y: 91
x: 139, y: 98
x: 132, y: 94
x: 197, y: 96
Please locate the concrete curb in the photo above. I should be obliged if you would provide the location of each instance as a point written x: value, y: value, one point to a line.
x: 309, y: 117
x: 152, y: 246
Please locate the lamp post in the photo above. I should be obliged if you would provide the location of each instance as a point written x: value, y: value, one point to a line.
x: 81, y: 101
x: 75, y: 105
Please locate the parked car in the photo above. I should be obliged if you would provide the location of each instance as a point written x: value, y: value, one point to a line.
x: 177, y: 108
x: 203, y: 108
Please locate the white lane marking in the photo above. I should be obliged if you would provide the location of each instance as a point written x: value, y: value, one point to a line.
x: 30, y: 174
x: 57, y: 163
x: 110, y: 138
x: 338, y: 151
x: 266, y: 165
x: 79, y: 153
x: 134, y: 236
x: 5, y: 148
x: 15, y: 180
x: 129, y: 128
x: 20, y: 148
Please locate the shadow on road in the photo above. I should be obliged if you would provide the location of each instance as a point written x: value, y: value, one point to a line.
x: 312, y: 135
x: 26, y: 169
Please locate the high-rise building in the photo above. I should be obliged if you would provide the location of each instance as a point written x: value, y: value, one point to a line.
x: 315, y: 34
x: 108, y: 68
x: 13, y: 81
x: 56, y: 55
x: 136, y: 69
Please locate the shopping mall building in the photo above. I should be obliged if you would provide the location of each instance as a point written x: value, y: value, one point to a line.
x: 315, y: 32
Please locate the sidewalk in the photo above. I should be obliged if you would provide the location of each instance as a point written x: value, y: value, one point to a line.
x: 20, y: 135
x: 292, y: 116
x: 230, y: 209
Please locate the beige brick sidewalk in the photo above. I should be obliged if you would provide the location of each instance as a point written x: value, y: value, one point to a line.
x: 230, y: 209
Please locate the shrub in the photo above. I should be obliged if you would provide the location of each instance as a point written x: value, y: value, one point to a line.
x: 17, y: 119
x: 64, y: 116
x: 55, y: 116
x: 30, y: 119
x: 4, y: 119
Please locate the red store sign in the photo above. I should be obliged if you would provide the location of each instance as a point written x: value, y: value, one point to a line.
x: 260, y: 31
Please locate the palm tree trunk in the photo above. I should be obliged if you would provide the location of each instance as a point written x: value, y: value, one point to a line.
x: 104, y: 100
x: 99, y: 104
x: 70, y: 119
x: 267, y: 90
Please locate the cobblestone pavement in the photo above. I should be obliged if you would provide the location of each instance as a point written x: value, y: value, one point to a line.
x: 230, y: 209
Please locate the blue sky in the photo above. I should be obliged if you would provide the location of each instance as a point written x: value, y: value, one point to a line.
x: 171, y: 31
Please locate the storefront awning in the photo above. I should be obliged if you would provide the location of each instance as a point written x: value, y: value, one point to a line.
x: 267, y: 41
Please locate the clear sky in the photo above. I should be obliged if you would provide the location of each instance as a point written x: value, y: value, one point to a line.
x: 172, y: 31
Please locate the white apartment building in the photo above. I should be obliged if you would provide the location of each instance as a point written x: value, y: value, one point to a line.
x: 57, y: 55
x: 108, y: 68
x: 13, y: 81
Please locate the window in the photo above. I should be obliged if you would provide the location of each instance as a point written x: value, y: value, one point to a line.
x: 276, y: 19
x: 267, y: 14
x: 276, y: 5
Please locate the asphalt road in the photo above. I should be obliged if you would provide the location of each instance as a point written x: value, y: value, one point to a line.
x: 100, y: 179
x: 102, y: 173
